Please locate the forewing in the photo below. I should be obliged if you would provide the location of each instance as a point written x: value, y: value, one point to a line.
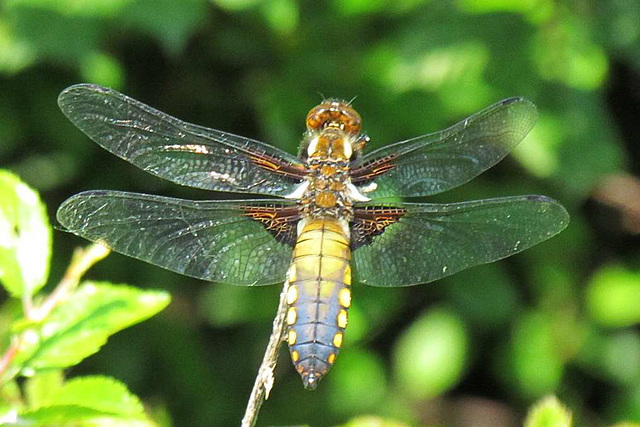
x: 411, y: 243
x: 220, y: 241
x: 180, y: 152
x: 437, y: 162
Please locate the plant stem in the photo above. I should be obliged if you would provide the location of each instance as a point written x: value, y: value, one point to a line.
x: 81, y: 261
x: 265, y: 378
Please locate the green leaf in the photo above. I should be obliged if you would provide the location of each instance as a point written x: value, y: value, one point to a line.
x: 100, y: 393
x: 75, y: 416
x: 549, y: 412
x: 537, y: 365
x: 356, y: 370
x: 86, y: 400
x: 430, y: 357
x: 25, y: 237
x: 78, y: 327
x: 612, y: 297
x: 85, y: 8
x: 43, y: 388
x: 10, y: 399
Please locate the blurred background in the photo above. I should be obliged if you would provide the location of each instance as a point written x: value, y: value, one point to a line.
x: 477, y: 348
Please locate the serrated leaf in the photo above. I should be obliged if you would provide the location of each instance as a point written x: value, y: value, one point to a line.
x: 78, y: 327
x: 25, y: 237
x: 77, y: 416
x: 42, y: 389
x: 100, y: 393
x: 87, y: 400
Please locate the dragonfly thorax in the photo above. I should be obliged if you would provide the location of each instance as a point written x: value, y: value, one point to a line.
x: 326, y: 193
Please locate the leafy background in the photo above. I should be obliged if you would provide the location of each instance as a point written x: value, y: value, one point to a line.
x: 480, y: 346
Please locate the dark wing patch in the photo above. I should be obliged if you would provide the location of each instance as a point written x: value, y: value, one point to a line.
x: 280, y: 221
x: 371, y: 221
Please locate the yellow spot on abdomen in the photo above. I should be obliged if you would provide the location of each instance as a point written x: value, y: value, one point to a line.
x: 344, y: 297
x: 292, y: 294
x: 292, y: 337
x: 337, y: 339
x: 292, y: 315
x: 347, y: 276
x: 293, y: 274
x: 342, y: 319
x: 295, y: 356
x: 331, y: 358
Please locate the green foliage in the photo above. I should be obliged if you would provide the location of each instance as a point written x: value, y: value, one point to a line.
x: 549, y: 412
x: 81, y: 324
x: 537, y: 362
x: 59, y: 330
x: 25, y: 237
x: 612, y: 296
x: 430, y: 357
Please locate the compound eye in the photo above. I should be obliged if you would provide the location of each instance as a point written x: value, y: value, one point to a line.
x: 335, y: 113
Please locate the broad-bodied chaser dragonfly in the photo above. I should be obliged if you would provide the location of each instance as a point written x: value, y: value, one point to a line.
x: 330, y: 215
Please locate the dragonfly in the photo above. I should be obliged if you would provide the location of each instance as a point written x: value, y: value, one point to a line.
x: 331, y: 219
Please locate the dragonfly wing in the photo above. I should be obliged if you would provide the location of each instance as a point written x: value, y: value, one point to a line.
x: 180, y: 152
x: 244, y: 242
x: 436, y: 162
x: 410, y: 243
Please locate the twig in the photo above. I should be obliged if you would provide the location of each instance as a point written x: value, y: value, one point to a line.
x: 8, y: 356
x: 264, y: 379
x: 82, y: 260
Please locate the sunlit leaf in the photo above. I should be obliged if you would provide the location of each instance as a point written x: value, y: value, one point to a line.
x: 15, y: 54
x: 100, y: 393
x: 431, y: 356
x: 537, y: 366
x: 90, y: 400
x: 282, y: 15
x: 103, y: 8
x: 42, y: 389
x: 549, y: 412
x: 566, y: 53
x: 612, y: 296
x: 356, y: 370
x: 80, y: 325
x: 102, y: 69
x: 25, y: 237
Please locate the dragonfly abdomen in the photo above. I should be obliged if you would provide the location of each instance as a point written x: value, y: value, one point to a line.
x: 319, y: 297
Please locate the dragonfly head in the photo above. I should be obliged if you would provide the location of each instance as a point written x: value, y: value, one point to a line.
x: 334, y: 113
x: 333, y: 129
